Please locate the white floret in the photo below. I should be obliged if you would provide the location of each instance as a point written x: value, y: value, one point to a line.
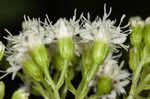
x: 104, y: 29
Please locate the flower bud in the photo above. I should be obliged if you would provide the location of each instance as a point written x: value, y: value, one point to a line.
x: 147, y: 32
x: 136, y: 26
x: 20, y: 94
x: 66, y: 48
x: 99, y: 52
x: 41, y: 56
x: 2, y: 49
x: 105, y: 85
x: 31, y: 69
x: 134, y: 56
x: 145, y: 54
x: 2, y: 90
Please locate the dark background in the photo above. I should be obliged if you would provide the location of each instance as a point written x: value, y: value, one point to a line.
x: 12, y: 12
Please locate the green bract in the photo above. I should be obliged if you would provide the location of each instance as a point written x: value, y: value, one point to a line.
x: 134, y: 58
x: 31, y: 69
x: 66, y: 48
x: 99, y: 52
x: 41, y: 56
x: 2, y: 50
x: 137, y: 29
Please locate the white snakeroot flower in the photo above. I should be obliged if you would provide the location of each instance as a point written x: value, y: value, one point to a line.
x: 147, y: 21
x: 66, y: 29
x: 135, y: 21
x: 32, y: 36
x: 63, y: 29
x: 104, y: 29
x: 120, y: 77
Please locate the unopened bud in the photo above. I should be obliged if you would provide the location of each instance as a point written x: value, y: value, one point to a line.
x: 105, y: 85
x: 147, y: 32
x: 99, y: 52
x: 31, y: 69
x: 20, y: 94
x: 145, y: 54
x: 2, y: 90
x: 134, y: 58
x: 2, y: 50
x: 137, y: 25
x: 41, y: 56
x: 66, y: 48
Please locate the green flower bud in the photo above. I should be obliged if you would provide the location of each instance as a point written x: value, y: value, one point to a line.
x: 31, y: 69
x: 2, y: 50
x: 136, y: 26
x: 147, y: 32
x: 2, y: 90
x: 41, y: 56
x: 99, y: 52
x: 105, y: 85
x: 134, y: 58
x: 20, y: 94
x: 66, y: 48
x: 145, y: 54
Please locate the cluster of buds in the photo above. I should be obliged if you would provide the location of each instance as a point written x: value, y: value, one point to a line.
x: 139, y: 55
x: 140, y: 41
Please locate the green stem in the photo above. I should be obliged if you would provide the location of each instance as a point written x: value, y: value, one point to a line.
x: 143, y: 84
x: 136, y: 77
x: 62, y: 76
x: 70, y: 86
x: 93, y: 72
x: 94, y: 96
x: 48, y: 88
x: 37, y: 86
x: 83, y: 87
x: 84, y: 91
x: 51, y: 83
x: 64, y: 92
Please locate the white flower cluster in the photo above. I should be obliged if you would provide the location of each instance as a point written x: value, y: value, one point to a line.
x: 104, y: 29
x: 35, y: 33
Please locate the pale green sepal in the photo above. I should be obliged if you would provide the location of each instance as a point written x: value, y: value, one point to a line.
x: 31, y: 69
x: 41, y: 56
